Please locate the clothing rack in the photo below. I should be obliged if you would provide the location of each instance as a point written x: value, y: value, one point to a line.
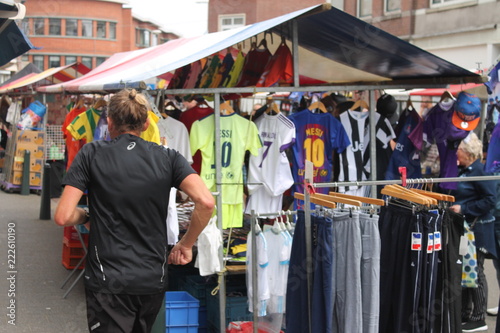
x: 255, y: 295
x: 307, y: 207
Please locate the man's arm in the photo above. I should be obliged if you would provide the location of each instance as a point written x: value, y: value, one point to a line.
x: 204, y: 203
x: 67, y: 212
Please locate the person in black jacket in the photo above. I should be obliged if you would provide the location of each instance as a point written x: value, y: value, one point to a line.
x: 128, y: 182
x: 475, y: 200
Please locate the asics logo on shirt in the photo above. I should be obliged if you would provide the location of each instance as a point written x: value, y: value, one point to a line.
x: 131, y: 146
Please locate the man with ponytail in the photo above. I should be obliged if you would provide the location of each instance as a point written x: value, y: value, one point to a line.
x: 128, y: 181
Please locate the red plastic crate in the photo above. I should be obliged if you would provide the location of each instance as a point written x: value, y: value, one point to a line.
x: 70, y: 237
x: 71, y: 255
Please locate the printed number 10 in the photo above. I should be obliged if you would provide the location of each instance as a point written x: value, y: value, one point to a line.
x: 315, y: 151
x: 225, y: 154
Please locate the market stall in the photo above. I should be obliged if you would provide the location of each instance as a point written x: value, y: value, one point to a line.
x: 338, y: 51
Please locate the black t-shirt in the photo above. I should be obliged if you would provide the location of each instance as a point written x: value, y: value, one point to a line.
x: 128, y: 182
x: 3, y: 138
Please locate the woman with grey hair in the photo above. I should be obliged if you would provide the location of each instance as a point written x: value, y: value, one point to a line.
x: 475, y: 200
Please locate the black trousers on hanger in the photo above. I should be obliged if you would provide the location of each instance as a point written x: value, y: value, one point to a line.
x: 449, y: 286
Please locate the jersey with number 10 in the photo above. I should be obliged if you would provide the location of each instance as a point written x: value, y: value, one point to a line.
x: 237, y: 135
x: 318, y: 135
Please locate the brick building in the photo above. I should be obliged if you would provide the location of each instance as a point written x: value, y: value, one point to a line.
x: 464, y: 32
x: 87, y: 31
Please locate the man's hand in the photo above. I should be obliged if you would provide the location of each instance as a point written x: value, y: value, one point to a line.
x: 180, y: 255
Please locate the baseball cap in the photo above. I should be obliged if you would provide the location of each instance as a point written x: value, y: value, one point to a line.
x: 467, y: 111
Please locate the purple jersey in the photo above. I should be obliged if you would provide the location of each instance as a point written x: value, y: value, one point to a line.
x: 438, y: 128
x: 408, y: 146
x: 493, y: 150
x: 317, y: 136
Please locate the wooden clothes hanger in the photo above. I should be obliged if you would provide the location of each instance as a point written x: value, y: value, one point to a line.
x: 409, y: 105
x: 339, y: 199
x: 360, y: 104
x: 100, y: 103
x: 401, y: 192
x: 318, y: 105
x: 226, y: 109
x: 315, y: 200
x: 273, y: 109
x: 446, y: 95
x: 371, y: 201
x: 79, y: 103
x: 438, y: 196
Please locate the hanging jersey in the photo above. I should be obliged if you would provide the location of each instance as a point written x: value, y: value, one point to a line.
x: 262, y: 267
x: 188, y: 117
x: 192, y: 77
x: 72, y: 145
x: 355, y: 160
x: 180, y: 76
x: 439, y: 129
x: 493, y: 157
x: 223, y: 72
x: 101, y: 131
x: 209, y: 73
x: 408, y: 146
x: 279, y: 246
x: 176, y: 136
x: 269, y: 173
x: 234, y: 74
x: 83, y: 126
x: 237, y: 135
x: 152, y: 133
x: 279, y: 70
x: 318, y: 135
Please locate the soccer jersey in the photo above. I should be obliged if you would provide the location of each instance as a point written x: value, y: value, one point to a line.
x: 234, y: 74
x: 355, y: 160
x: 493, y: 150
x: 180, y: 76
x: 192, y: 77
x: 72, y: 145
x: 279, y: 69
x: 101, y: 131
x: 261, y: 251
x: 408, y: 146
x: 83, y: 126
x: 223, y: 71
x: 152, y: 133
x: 318, y: 135
x: 176, y: 136
x: 188, y: 117
x: 209, y: 73
x: 269, y: 173
x: 439, y: 129
x: 237, y: 135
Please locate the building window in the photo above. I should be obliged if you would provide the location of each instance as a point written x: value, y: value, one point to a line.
x: 101, y: 29
x: 142, y: 37
x: 38, y: 61
x: 70, y: 60
x: 154, y: 39
x: 339, y: 4
x: 99, y: 60
x: 87, y: 61
x: 25, y: 27
x: 55, y: 27
x: 112, y: 30
x: 365, y: 8
x: 25, y: 58
x: 39, y: 26
x: 227, y: 22
x: 440, y: 2
x: 392, y: 5
x: 54, y: 61
x: 71, y: 27
x: 87, y: 28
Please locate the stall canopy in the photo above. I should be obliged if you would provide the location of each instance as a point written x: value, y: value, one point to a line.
x: 333, y: 47
x: 13, y: 42
x: 473, y: 88
x: 47, y: 77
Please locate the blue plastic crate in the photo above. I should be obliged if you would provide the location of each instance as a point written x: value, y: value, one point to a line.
x: 198, y: 286
x: 181, y: 310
